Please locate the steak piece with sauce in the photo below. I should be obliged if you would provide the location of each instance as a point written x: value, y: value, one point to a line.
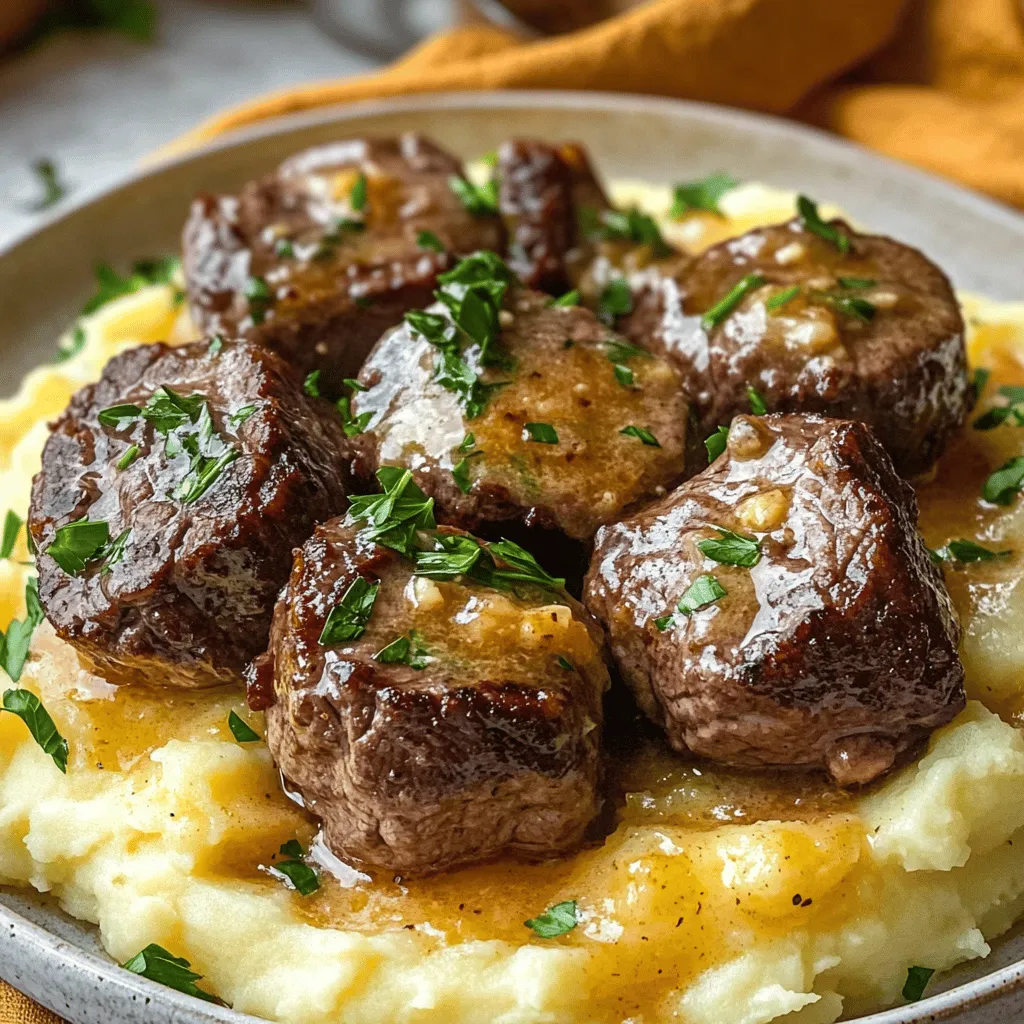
x: 833, y: 644
x: 872, y: 334
x: 210, y: 466
x: 546, y: 446
x: 319, y: 258
x: 480, y: 737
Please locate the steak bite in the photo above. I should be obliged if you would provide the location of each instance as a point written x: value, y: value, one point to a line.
x: 780, y: 609
x: 319, y: 258
x: 433, y: 711
x: 817, y: 318
x: 171, y: 494
x: 532, y: 412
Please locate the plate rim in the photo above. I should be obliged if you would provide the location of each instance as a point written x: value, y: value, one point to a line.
x: 45, y: 946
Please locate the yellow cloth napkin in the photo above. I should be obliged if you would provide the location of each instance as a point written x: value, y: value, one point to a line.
x: 944, y: 89
x: 939, y: 83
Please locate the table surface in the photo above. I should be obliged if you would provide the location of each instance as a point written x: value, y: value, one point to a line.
x: 96, y: 102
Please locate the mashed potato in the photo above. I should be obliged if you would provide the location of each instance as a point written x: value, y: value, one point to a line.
x: 717, y: 900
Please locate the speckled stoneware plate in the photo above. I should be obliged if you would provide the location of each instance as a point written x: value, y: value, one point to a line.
x: 46, y: 275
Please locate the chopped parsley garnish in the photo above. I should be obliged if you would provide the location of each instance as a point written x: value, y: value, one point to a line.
x: 110, y: 285
x: 851, y: 306
x: 856, y: 283
x: 1012, y: 415
x: 965, y: 552
x: 731, y: 549
x: 542, y: 433
x: 728, y: 302
x: 299, y: 875
x: 29, y: 708
x: 115, y: 415
x: 283, y: 249
x: 114, y: 551
x: 131, y: 453
x: 460, y: 472
x: 979, y: 381
x: 12, y: 527
x: 350, y: 423
x: 395, y: 517
x: 916, y: 983
x: 467, y: 443
x: 14, y: 644
x: 76, y: 544
x: 620, y: 350
x: 348, y: 618
x: 405, y: 650
x: 623, y: 374
x: 259, y: 297
x: 703, y: 591
x: 1014, y: 392
x: 643, y: 434
x: 311, y: 385
x: 479, y: 200
x: 473, y: 292
x: 568, y: 299
x: 564, y: 662
x: 810, y: 218
x: 428, y: 240
x: 67, y: 350
x: 54, y: 189
x: 757, y: 402
x: 704, y: 194
x: 779, y: 299
x: 239, y: 416
x: 716, y: 443
x: 557, y: 920
x: 1005, y: 483
x: 167, y: 410
x: 616, y: 300
x: 630, y: 225
x: 662, y: 622
x: 503, y: 565
x: 155, y: 963
x: 241, y: 729
x: 351, y: 382
x: 216, y: 344
x: 357, y: 197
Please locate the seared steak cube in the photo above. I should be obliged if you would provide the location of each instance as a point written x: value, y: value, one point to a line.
x: 319, y: 258
x: 432, y: 722
x: 816, y: 318
x: 780, y: 609
x: 171, y: 494
x: 544, y: 416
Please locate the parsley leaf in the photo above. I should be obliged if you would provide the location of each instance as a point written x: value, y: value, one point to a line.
x: 12, y: 527
x: 357, y: 197
x: 295, y: 871
x: 810, y: 218
x: 284, y: 249
x: 479, y: 200
x: 54, y: 189
x: 394, y: 517
x: 757, y: 402
x: 131, y: 453
x: 1005, y: 483
x: 703, y: 591
x: 716, y: 443
x: 966, y: 551
x: 77, y: 543
x: 662, y: 622
x: 460, y: 471
x: 631, y: 225
x: 428, y: 240
x: 14, y: 645
x: 114, y: 415
x: 348, y: 618
x: 619, y: 350
x: 728, y: 302
x: 623, y: 374
x: 405, y: 650
x: 241, y: 729
x: 239, y: 416
x: 110, y: 285
x: 979, y: 381
x: 542, y: 433
x: 704, y: 194
x: 857, y: 282
x: 29, y: 708
x: 311, y: 385
x: 916, y: 983
x: 503, y: 565
x: 565, y: 301
x: 259, y: 297
x: 616, y: 300
x: 731, y: 549
x: 65, y: 350
x: 851, y: 306
x: 643, y: 433
x: 1000, y: 414
x: 557, y: 920
x: 156, y: 964
x: 779, y: 299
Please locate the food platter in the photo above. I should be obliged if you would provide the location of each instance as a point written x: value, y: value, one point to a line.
x: 978, y: 242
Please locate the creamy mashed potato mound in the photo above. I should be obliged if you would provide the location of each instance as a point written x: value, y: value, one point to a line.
x: 719, y: 899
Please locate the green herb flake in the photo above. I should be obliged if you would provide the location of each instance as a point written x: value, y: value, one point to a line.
x: 555, y: 921
x: 810, y: 218
x: 131, y: 453
x: 405, y: 650
x: 429, y: 241
x: 564, y: 662
x: 284, y: 249
x: 542, y: 433
x: 48, y: 177
x: 619, y: 350
x: 348, y: 618
x: 352, y: 424
x: 260, y: 298
x: 29, y: 708
x: 779, y: 299
x: 704, y: 194
x: 110, y: 285
x: 460, y: 472
x: 663, y: 622
x: 757, y: 403
x: 616, y: 299
x: 479, y: 200
x: 623, y: 374
x: 12, y: 527
x: 1013, y: 392
x: 75, y: 544
x: 214, y: 348
x: 239, y: 416
x: 68, y: 350
x: 467, y: 443
x: 979, y: 381
x: 643, y: 434
x: 725, y: 305
x: 299, y: 875
x: 241, y: 729
x: 503, y: 565
x: 393, y: 518
x: 703, y: 591
x: 311, y: 385
x: 565, y: 301
x: 916, y: 983
x: 357, y: 197
x: 716, y: 443
x: 731, y: 549
x: 14, y: 644
x: 1005, y: 483
x: 857, y: 283
x: 117, y: 417
x: 851, y: 306
x: 156, y: 964
x: 631, y: 225
x: 965, y: 552
x: 1011, y: 415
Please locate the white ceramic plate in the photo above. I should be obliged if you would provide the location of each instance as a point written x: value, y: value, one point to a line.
x: 46, y: 275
